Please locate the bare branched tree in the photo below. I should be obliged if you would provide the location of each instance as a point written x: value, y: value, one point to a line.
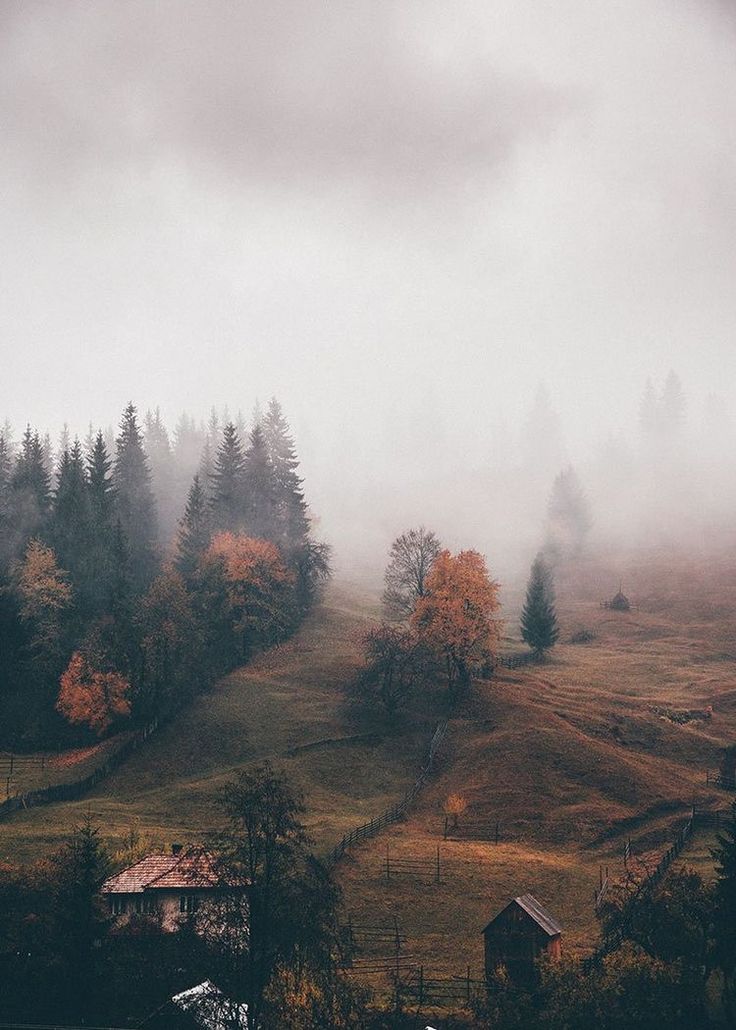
x: 410, y: 559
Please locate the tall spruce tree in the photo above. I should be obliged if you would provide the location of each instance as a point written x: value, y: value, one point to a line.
x: 71, y: 516
x: 194, y: 531
x: 136, y: 507
x: 568, y: 516
x: 161, y: 463
x: 259, y: 487
x: 30, y: 490
x: 539, y: 627
x: 290, y: 508
x: 102, y: 525
x: 227, y: 502
x: 6, y: 472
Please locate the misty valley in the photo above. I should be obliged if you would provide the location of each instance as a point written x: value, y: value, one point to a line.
x: 367, y: 515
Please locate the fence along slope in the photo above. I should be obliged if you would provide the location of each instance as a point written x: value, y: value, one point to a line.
x: 393, y: 814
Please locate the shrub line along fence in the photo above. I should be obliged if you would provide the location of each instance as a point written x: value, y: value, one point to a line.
x: 393, y: 814
x: 615, y: 937
x: 76, y: 788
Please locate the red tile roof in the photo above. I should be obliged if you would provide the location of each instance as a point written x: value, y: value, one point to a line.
x: 193, y: 867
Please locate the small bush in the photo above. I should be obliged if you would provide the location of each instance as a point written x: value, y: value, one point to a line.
x: 583, y: 636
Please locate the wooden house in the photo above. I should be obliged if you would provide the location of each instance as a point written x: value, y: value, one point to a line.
x: 518, y: 937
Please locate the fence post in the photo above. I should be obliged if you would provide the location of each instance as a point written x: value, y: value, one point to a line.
x: 388, y: 866
x: 468, y: 997
x: 438, y: 863
x: 496, y: 831
x: 444, y: 833
x: 11, y: 763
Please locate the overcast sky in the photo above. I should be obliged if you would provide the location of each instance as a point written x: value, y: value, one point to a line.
x: 363, y: 207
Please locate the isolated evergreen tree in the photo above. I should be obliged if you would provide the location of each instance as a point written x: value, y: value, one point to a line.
x: 258, y: 487
x: 539, y: 627
x: 290, y: 508
x: 135, y: 505
x: 194, y: 531
x: 71, y: 516
x: 569, y: 519
x: 227, y: 497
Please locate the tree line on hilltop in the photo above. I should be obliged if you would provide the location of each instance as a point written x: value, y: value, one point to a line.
x: 106, y: 620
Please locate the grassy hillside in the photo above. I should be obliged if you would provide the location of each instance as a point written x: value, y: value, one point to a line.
x: 607, y: 741
x: 288, y: 707
x: 571, y: 759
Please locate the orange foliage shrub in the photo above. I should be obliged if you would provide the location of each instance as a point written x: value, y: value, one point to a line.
x: 92, y: 698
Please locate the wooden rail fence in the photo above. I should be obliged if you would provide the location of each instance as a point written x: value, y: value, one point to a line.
x: 77, y: 788
x: 393, y: 814
x: 617, y: 934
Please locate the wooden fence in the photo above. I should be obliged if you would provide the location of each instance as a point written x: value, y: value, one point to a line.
x: 716, y: 779
x: 617, y: 934
x: 513, y: 661
x: 445, y: 992
x: 393, y: 814
x: 77, y: 788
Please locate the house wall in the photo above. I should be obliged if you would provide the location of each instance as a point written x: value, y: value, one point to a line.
x: 168, y: 905
x: 515, y: 941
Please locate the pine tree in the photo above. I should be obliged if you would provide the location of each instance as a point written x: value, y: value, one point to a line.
x: 64, y: 440
x: 227, y: 479
x: 161, y: 462
x: 31, y: 495
x: 673, y: 405
x: 102, y: 525
x: 539, y: 627
x: 649, y: 419
x: 6, y: 467
x: 290, y: 508
x: 136, y: 508
x: 568, y: 516
x: 71, y: 516
x: 259, y: 487
x: 194, y: 531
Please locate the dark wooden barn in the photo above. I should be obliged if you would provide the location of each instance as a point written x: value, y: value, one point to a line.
x: 518, y: 936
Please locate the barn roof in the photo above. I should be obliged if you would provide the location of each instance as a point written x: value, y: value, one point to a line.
x: 538, y: 913
x: 192, y: 867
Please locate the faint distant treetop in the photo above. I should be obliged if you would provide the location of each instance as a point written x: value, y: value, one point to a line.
x: 411, y: 557
x: 569, y: 518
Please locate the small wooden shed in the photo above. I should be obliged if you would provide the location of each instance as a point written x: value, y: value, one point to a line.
x: 518, y: 936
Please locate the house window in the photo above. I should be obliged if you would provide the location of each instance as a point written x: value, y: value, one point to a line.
x: 188, y: 903
x: 145, y: 906
x: 117, y: 905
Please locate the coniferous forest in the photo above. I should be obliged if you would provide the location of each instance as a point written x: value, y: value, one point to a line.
x: 136, y: 568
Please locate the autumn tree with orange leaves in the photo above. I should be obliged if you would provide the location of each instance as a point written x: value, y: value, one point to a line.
x: 45, y: 602
x: 91, y: 697
x: 455, y: 617
x: 257, y: 585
